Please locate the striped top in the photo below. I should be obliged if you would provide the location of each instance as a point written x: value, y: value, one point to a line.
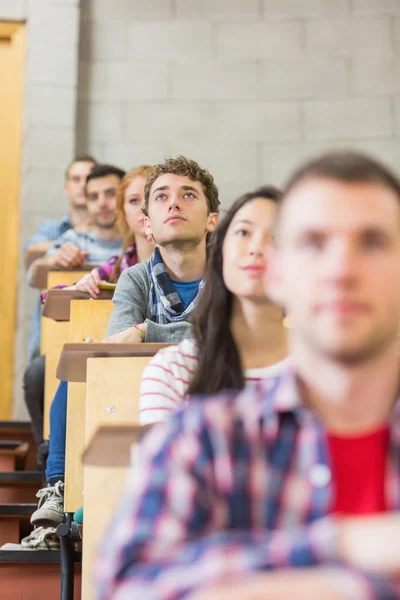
x: 167, y: 377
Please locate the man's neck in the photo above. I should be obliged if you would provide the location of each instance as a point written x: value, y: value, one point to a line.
x: 144, y: 248
x: 107, y: 233
x: 186, y: 263
x: 349, y: 399
x: 258, y: 332
x: 78, y: 216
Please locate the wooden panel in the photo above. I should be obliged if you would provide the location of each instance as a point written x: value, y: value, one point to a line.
x: 112, y: 397
x: 89, y: 321
x: 11, y: 89
x: 53, y: 337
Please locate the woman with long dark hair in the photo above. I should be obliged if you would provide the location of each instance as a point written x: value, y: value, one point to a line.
x: 238, y: 334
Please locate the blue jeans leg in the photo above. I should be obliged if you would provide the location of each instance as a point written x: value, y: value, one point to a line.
x: 55, y: 467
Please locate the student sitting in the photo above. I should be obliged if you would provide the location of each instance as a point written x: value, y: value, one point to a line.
x: 181, y: 207
x: 289, y: 489
x: 48, y: 232
x: 137, y: 245
x: 237, y: 332
x: 71, y: 250
x: 154, y: 301
x: 103, y: 239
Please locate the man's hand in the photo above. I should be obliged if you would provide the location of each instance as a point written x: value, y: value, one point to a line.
x: 128, y: 336
x: 69, y: 256
x: 89, y: 283
x: 371, y: 543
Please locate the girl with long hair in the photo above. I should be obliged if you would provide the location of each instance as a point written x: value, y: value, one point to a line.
x: 238, y: 334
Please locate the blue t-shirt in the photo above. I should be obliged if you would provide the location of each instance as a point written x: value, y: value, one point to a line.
x: 187, y: 291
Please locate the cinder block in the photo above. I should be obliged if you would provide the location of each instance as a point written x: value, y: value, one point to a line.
x: 229, y: 192
x: 54, y: 24
x: 376, y: 76
x: 162, y: 122
x: 169, y: 40
x: 215, y: 10
x: 125, y: 10
x: 397, y: 36
x: 397, y: 117
x: 226, y: 162
x: 99, y: 122
x: 259, y: 40
x: 260, y: 121
x: 100, y: 41
x: 386, y: 150
x: 378, y: 7
x: 48, y: 146
x: 213, y: 79
x: 305, y: 8
x: 55, y: 65
x: 13, y: 11
x: 123, y: 80
x: 278, y: 161
x: 132, y: 154
x: 322, y: 77
x: 348, y: 119
x: 53, y: 106
x: 42, y: 190
x: 349, y: 37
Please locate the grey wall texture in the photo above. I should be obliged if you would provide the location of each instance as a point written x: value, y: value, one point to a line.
x: 247, y: 87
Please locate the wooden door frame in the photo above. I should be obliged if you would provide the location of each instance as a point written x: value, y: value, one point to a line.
x: 13, y: 33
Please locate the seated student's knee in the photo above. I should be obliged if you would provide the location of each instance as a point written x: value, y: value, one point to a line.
x: 34, y: 374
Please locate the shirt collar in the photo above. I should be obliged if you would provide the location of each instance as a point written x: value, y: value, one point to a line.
x: 282, y: 394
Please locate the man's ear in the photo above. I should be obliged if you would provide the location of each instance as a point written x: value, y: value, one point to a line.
x: 273, y: 285
x: 65, y: 188
x: 147, y: 227
x: 212, y: 221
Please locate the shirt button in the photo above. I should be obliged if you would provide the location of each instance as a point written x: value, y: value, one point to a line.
x: 319, y: 475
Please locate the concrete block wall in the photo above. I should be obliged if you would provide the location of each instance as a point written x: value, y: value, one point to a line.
x: 247, y: 87
x: 48, y: 143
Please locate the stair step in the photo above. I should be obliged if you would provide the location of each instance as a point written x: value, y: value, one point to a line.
x: 17, y: 510
x: 21, y: 477
x: 15, y: 426
x: 34, y: 556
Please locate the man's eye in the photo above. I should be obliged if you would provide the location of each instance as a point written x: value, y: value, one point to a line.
x: 161, y: 197
x: 374, y: 242
x: 189, y: 195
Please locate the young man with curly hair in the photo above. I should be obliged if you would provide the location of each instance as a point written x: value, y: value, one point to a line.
x: 155, y: 299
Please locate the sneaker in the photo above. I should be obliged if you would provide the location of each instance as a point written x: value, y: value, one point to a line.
x: 40, y: 538
x: 50, y: 511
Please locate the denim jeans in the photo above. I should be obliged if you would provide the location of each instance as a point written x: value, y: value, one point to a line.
x: 55, y: 466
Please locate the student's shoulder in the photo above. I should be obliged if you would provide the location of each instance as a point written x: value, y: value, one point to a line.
x: 178, y: 358
x: 136, y: 272
x: 134, y: 278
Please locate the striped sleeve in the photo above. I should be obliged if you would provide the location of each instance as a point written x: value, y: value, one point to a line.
x: 165, y: 382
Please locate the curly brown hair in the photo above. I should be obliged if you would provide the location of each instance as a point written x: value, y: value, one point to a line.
x: 186, y: 168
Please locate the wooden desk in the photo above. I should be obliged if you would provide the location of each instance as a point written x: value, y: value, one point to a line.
x: 112, y: 400
x: 88, y: 324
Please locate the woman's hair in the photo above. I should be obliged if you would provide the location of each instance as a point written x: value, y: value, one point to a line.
x: 219, y: 365
x: 128, y: 236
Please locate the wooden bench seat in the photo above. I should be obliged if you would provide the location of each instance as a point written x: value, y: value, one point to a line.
x: 13, y: 454
x: 19, y: 487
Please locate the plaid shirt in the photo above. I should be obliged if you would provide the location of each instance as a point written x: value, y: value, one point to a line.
x: 230, y: 486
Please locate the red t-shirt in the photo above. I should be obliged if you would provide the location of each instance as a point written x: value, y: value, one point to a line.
x: 358, y: 466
